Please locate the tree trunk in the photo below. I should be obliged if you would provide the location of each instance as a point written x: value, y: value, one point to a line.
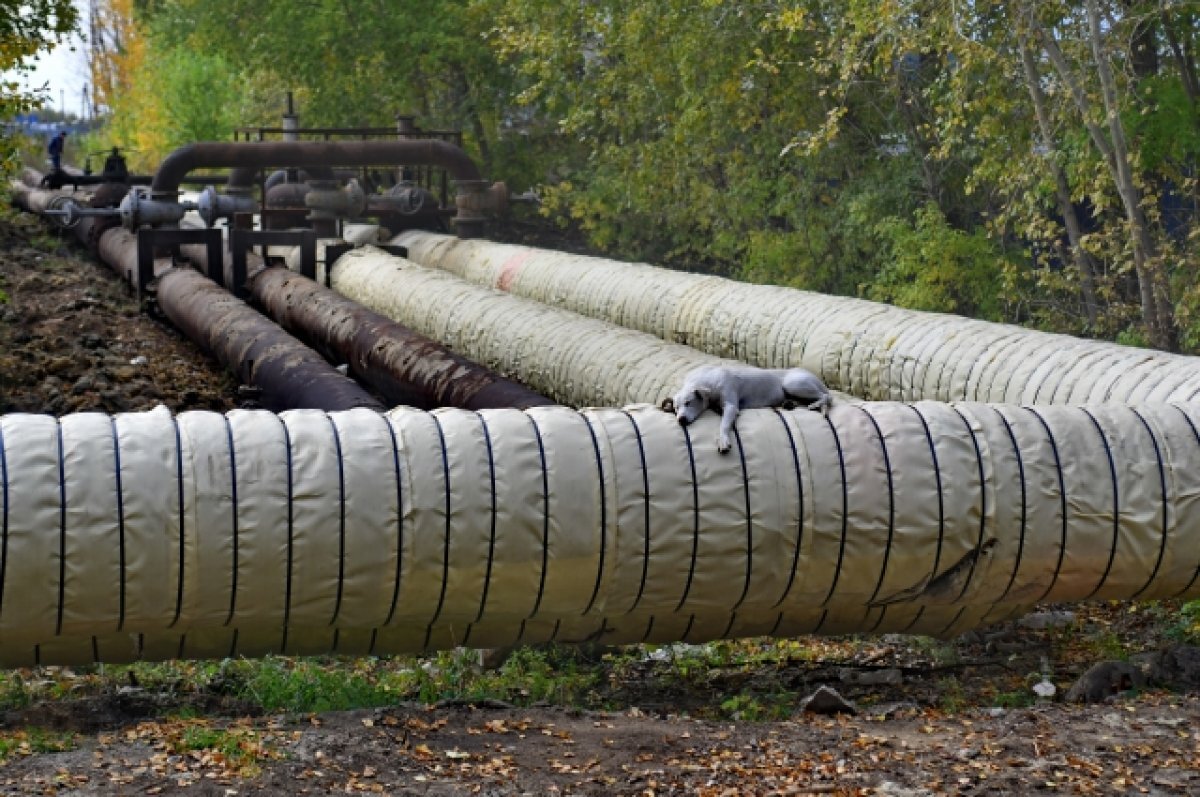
x: 1157, y: 314
x: 1162, y: 324
x: 1185, y: 62
x: 1062, y: 189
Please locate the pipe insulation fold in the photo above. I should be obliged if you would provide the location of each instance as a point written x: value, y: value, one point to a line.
x: 868, y: 349
x: 147, y: 535
x: 576, y: 360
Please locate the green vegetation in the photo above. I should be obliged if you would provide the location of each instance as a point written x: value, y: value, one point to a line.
x: 33, y: 741
x: 1033, y: 161
x: 1185, y: 626
x: 735, y: 679
x: 238, y: 749
x: 750, y: 679
x: 28, y: 30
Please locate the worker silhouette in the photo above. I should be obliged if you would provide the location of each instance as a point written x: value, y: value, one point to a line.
x: 56, y: 149
x: 115, y: 170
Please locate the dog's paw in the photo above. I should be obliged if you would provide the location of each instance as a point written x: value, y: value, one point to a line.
x: 723, y: 444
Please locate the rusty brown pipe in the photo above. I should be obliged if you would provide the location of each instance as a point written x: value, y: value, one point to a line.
x: 402, y: 366
x: 259, y: 154
x: 290, y: 374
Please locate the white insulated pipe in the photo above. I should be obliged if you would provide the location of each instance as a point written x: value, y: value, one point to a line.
x: 144, y: 535
x: 871, y: 350
x: 151, y: 536
x: 575, y: 360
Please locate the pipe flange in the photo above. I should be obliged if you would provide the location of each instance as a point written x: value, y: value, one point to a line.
x: 64, y: 211
x: 137, y: 211
x: 213, y: 206
x: 326, y: 200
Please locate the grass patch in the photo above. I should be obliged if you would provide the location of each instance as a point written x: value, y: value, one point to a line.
x: 33, y: 741
x: 238, y: 749
x: 953, y: 697
x: 306, y: 685
x: 332, y: 684
x: 1185, y: 626
x: 1018, y: 698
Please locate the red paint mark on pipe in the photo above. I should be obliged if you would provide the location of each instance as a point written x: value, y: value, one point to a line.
x: 511, y: 268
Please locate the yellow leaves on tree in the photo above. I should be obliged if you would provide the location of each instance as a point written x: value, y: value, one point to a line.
x: 120, y: 69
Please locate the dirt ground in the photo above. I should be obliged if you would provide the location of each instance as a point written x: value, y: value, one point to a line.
x: 929, y: 718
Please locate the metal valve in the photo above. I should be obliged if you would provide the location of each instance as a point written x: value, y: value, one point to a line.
x: 67, y: 213
x: 213, y: 206
x: 138, y: 210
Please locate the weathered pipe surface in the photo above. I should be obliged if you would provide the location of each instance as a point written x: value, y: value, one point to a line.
x: 32, y: 198
x: 290, y: 375
x: 423, y: 152
x: 404, y: 367
x: 117, y: 249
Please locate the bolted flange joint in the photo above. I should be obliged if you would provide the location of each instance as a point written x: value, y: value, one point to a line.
x: 476, y: 201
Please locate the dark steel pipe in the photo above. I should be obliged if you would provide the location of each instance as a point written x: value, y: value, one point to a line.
x: 287, y: 195
x: 260, y: 154
x: 402, y: 366
x: 290, y: 374
x: 243, y: 177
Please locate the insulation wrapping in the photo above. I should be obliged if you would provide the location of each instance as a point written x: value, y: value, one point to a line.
x: 575, y: 360
x: 147, y: 535
x: 867, y: 349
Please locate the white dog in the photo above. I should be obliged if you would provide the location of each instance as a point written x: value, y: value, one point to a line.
x: 729, y: 389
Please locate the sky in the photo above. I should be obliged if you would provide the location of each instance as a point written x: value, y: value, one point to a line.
x: 64, y: 71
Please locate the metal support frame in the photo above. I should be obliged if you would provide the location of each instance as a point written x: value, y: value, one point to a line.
x: 150, y: 238
x: 241, y: 240
x: 333, y: 252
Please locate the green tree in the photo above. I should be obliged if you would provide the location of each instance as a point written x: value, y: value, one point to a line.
x: 27, y: 29
x: 352, y: 64
x: 1033, y: 100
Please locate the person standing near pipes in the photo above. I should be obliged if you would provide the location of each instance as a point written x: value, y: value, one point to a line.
x: 56, y: 149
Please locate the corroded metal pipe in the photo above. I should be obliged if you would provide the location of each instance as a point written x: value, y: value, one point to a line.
x: 416, y: 152
x: 404, y: 367
x: 290, y: 374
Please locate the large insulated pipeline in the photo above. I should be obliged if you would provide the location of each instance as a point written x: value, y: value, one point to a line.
x: 575, y: 360
x: 288, y: 374
x: 871, y: 350
x: 472, y: 191
x: 144, y: 535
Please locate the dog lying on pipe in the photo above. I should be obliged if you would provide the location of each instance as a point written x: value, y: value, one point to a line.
x: 730, y: 389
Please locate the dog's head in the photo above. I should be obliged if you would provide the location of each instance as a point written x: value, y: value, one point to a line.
x: 687, y: 404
